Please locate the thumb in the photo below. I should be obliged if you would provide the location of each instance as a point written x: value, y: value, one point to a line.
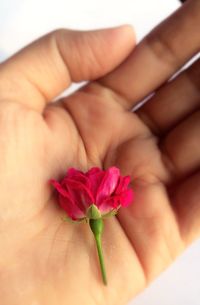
x: 42, y: 70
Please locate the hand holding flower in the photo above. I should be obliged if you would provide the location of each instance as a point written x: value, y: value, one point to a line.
x: 44, y: 260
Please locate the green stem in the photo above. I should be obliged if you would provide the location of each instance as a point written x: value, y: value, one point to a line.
x: 96, y: 226
x: 101, y: 258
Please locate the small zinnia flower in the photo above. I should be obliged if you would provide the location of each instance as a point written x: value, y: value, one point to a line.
x: 92, y: 196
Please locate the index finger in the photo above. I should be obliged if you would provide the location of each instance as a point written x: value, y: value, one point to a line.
x: 159, y: 55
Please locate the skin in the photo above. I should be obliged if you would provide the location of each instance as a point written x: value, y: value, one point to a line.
x: 47, y: 261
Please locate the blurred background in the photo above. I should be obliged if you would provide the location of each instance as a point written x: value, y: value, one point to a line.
x: 22, y: 21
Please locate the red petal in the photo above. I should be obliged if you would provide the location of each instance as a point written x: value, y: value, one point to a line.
x: 71, y: 172
x: 61, y: 190
x: 76, y: 175
x: 66, y: 202
x: 108, y: 205
x: 95, y: 176
x: 108, y: 184
x: 79, y: 193
x: 126, y: 198
x: 70, y: 208
x: 122, y: 184
x: 94, y: 170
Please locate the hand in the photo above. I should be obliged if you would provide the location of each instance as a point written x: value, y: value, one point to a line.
x: 46, y: 261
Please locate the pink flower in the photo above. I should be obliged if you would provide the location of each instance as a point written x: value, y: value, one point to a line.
x: 94, y: 194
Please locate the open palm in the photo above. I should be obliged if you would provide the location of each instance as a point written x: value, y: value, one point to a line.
x: 47, y: 261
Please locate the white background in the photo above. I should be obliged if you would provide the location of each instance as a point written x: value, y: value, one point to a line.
x: 21, y: 21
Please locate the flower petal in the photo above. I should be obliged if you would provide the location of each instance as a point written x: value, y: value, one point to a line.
x: 66, y: 203
x: 95, y: 176
x: 77, y: 175
x: 125, y: 194
x: 108, y: 205
x: 70, y: 208
x: 122, y: 184
x: 79, y: 193
x: 59, y: 188
x: 71, y: 172
x: 126, y: 198
x: 93, y: 170
x: 108, y: 185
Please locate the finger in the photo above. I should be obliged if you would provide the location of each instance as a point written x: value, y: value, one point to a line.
x: 45, y: 68
x: 173, y: 102
x: 187, y: 204
x: 181, y: 146
x: 158, y: 56
x: 150, y: 223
